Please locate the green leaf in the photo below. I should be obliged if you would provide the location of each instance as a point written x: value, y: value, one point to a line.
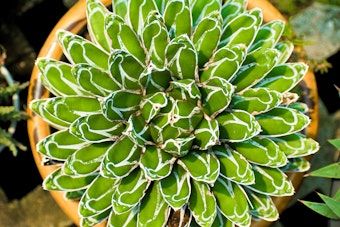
x: 80, y: 50
x: 320, y: 208
x: 97, y: 197
x: 222, y: 221
x: 176, y: 187
x: 152, y: 104
x: 57, y: 180
x: 121, y: 8
x: 178, y: 147
x: 156, y: 163
x: 271, y: 181
x: 234, y: 166
x: 332, y: 203
x: 127, y: 219
x: 231, y: 9
x: 95, y: 219
x: 121, y: 158
x: 155, y: 80
x: 154, y: 211
x: 207, y: 134
x: 138, y: 12
x: 202, y: 166
x: 286, y: 49
x: 186, y: 89
x: 329, y: 171
x: 282, y: 121
x: 202, y: 204
x: 232, y: 201
x: 262, y: 151
x: 138, y: 130
x: 335, y: 143
x: 296, y: 165
x: 130, y: 190
x: 202, y: 8
x: 237, y: 125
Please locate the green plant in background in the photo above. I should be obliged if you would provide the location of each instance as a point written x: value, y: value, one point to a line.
x: 174, y: 110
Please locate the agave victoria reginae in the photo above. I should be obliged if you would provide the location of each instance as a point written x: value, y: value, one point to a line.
x: 173, y: 107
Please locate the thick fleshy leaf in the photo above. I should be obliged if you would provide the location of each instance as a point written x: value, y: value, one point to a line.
x: 234, y: 166
x: 282, y: 121
x: 216, y: 95
x: 231, y: 9
x: 126, y: 70
x: 130, y: 190
x: 202, y: 8
x: 155, y: 80
x: 86, y: 160
x: 242, y: 29
x: 58, y: 78
x: 178, y: 147
x: 155, y: 39
x: 176, y: 187
x: 121, y: 8
x: 94, y: 80
x: 154, y: 211
x: 138, y: 130
x: 254, y: 68
x: 95, y: 14
x: 256, y: 101
x: 225, y: 63
x: 202, y: 204
x: 222, y: 221
x: 202, y: 166
x: 121, y: 158
x: 96, y: 128
x: 262, y: 151
x: 232, y: 201
x: 121, y: 104
x: 156, y: 163
x: 296, y: 165
x: 60, y: 145
x: 138, y: 12
x: 271, y: 181
x: 152, y: 104
x: 177, y: 18
x: 268, y: 35
x: 127, y: 219
x: 286, y: 49
x: 207, y: 134
x: 161, y: 5
x: 95, y: 219
x: 74, y: 195
x: 97, y: 197
x: 206, y: 36
x: 123, y: 37
x: 80, y: 50
x: 284, y: 77
x: 237, y: 125
x: 59, y: 181
x: 300, y: 106
x: 262, y: 206
x: 296, y: 145
x: 186, y: 89
x: 182, y: 58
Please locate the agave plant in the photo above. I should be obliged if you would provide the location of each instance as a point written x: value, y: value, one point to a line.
x: 174, y: 111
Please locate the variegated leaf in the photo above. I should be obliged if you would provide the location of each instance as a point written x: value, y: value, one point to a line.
x: 127, y: 219
x: 232, y: 201
x: 207, y: 134
x: 138, y: 12
x: 271, y: 181
x: 154, y: 80
x: 207, y: 36
x: 96, y: 128
x: 284, y: 77
x: 222, y: 221
x: 121, y: 8
x: 94, y: 81
x: 74, y: 195
x: 298, y: 164
x: 242, y: 29
x: 80, y: 50
x: 262, y: 206
x: 216, y: 95
x: 138, y: 130
x: 234, y: 166
x: 155, y: 38
x: 161, y: 5
x: 178, y: 147
x: 285, y: 48
x: 202, y: 166
x: 231, y: 9
x: 123, y: 37
x: 95, y: 14
x: 121, y: 158
x: 254, y: 68
x: 176, y: 187
x: 182, y: 58
x: 237, y: 125
x: 202, y: 204
x: 95, y: 219
x: 186, y: 89
x: 97, y: 197
x: 57, y: 180
x: 262, y: 151
x: 300, y: 106
x: 296, y: 145
x: 121, y: 104
x: 225, y: 63
x: 86, y: 160
x: 156, y: 163
x: 202, y: 8
x: 152, y: 104
x: 177, y: 18
x: 60, y: 145
x: 154, y: 211
x: 256, y: 100
x: 125, y: 69
x: 57, y: 77
x: 268, y: 35
x: 282, y: 121
x: 130, y: 190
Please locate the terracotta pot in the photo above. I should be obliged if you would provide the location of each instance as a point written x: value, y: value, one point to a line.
x: 75, y: 20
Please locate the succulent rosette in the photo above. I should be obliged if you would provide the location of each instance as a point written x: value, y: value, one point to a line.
x: 174, y: 108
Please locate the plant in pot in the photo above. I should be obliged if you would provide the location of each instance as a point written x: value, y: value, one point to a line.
x: 173, y: 113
